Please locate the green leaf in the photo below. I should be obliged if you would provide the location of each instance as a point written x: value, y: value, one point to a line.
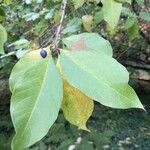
x: 127, y: 12
x: 24, y: 64
x: 111, y: 12
x: 2, y: 13
x: 36, y: 99
x: 20, y: 68
x: 145, y: 16
x: 78, y: 3
x: 97, y: 74
x: 3, y: 38
x: 98, y: 17
x: 72, y: 26
x: 140, y: 2
x: 132, y: 27
x: 100, y: 77
x: 123, y: 1
x: 88, y: 42
x: 7, y: 2
x: 129, y: 23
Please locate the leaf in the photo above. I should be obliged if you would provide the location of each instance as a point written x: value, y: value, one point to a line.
x: 87, y: 22
x: 129, y: 23
x: 145, y: 16
x: 20, y: 42
x: 127, y: 12
x: 7, y: 2
x: 3, y: 38
x: 49, y: 15
x: 32, y: 16
x: 36, y: 99
x: 96, y: 1
x: 98, y: 17
x: 123, y: 1
x: 21, y: 52
x: 72, y: 26
x: 88, y: 42
x: 20, y: 68
x: 23, y: 65
x: 99, y: 77
x: 2, y: 13
x: 57, y: 16
x: 28, y: 2
x: 77, y: 107
x: 78, y: 3
x: 140, y: 2
x: 132, y: 28
x: 111, y: 12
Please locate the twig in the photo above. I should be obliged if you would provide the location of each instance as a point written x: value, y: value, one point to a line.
x: 7, y: 55
x: 57, y: 34
x: 58, y: 30
x: 136, y: 65
x: 133, y: 44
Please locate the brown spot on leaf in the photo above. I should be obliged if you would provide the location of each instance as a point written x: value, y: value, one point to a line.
x: 80, y: 45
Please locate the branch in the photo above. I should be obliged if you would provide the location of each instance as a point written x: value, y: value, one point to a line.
x: 7, y: 55
x: 136, y: 65
x: 58, y: 30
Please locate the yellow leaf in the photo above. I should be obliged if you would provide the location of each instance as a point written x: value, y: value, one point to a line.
x: 87, y: 22
x: 76, y: 106
x: 57, y: 17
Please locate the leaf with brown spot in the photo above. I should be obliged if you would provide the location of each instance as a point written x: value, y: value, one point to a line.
x: 88, y: 42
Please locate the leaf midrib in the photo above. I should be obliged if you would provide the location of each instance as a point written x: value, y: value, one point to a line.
x: 108, y: 85
x: 31, y: 114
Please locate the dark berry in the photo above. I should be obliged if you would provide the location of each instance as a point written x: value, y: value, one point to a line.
x: 43, y: 53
